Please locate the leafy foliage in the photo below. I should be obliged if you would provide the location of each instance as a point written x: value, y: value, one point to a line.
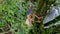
x: 13, y: 15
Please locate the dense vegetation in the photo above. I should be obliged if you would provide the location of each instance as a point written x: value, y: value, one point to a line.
x: 13, y: 14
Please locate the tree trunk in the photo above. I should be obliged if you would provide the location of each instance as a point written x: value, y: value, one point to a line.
x: 43, y: 5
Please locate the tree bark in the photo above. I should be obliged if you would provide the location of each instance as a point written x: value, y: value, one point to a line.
x: 43, y: 5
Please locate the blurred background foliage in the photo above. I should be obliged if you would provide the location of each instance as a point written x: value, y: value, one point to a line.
x: 13, y: 14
